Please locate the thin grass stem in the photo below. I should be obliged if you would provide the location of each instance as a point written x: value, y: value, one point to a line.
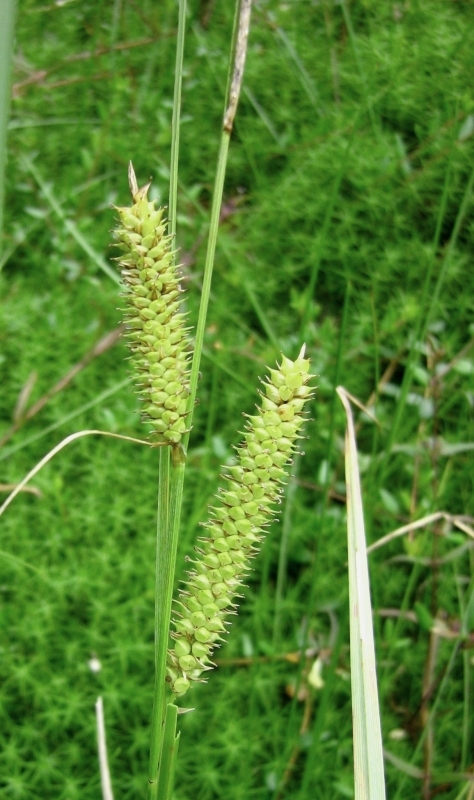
x: 169, y: 504
x: 117, y: 387
x: 169, y: 752
x: 172, y: 474
x: 234, y: 84
x: 208, y: 269
x: 72, y: 438
x: 163, y: 599
x: 176, y: 119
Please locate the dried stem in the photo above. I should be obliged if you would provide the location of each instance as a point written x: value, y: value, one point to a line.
x: 104, y: 344
x: 429, y: 685
x: 19, y: 487
x: 105, y: 781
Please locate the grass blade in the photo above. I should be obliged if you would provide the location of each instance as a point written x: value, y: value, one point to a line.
x: 368, y: 752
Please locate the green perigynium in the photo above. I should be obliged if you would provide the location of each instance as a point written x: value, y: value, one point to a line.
x: 155, y: 326
x: 244, y: 509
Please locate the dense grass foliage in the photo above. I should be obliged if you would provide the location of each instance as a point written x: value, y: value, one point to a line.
x: 348, y: 224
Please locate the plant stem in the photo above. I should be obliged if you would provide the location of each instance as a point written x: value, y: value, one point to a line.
x: 170, y: 486
x: 7, y: 30
x: 172, y: 475
x: 170, y: 495
x: 234, y: 84
x: 163, y: 598
x: 175, y: 122
x: 169, y: 752
x: 208, y: 268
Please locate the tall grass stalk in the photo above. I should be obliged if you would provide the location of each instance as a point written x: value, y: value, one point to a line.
x: 163, y: 739
x: 163, y: 743
x: 368, y: 753
x: 7, y: 32
x: 234, y: 84
x: 176, y: 118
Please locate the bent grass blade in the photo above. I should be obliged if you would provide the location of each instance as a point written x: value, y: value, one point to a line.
x: 368, y: 753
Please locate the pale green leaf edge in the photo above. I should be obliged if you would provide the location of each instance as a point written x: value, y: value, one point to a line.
x: 369, y: 776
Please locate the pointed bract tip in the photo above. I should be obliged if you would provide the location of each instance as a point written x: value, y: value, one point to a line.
x: 132, y: 180
x: 137, y: 194
x: 302, y: 351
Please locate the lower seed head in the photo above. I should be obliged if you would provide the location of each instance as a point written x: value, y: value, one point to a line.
x: 236, y: 528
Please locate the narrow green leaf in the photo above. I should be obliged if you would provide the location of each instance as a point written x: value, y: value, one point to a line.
x: 368, y: 752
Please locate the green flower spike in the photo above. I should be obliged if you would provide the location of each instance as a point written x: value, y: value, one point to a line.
x: 156, y: 333
x: 233, y: 533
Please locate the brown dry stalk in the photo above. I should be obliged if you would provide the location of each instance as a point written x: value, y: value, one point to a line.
x: 239, y: 64
x: 9, y: 487
x: 426, y: 720
x: 40, y: 75
x: 104, y: 344
x: 304, y: 727
x: 248, y: 661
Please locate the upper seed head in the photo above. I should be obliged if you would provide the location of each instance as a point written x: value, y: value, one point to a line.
x: 157, y: 337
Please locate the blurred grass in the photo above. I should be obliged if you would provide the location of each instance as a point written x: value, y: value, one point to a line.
x: 350, y: 163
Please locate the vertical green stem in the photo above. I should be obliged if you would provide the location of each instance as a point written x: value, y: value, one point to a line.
x: 172, y: 474
x: 163, y: 598
x: 175, y: 122
x: 169, y: 498
x: 7, y: 30
x: 234, y: 84
x: 169, y: 752
x: 208, y: 268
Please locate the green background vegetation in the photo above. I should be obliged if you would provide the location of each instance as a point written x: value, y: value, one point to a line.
x: 350, y: 171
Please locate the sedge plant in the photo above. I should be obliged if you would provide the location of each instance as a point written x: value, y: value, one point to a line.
x: 161, y: 347
x: 160, y: 358
x: 165, y: 367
